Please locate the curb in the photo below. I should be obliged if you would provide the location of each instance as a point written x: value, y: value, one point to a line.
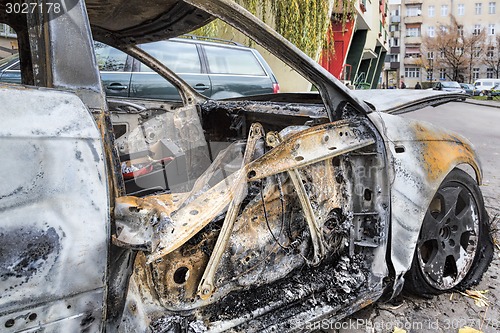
x: 490, y: 104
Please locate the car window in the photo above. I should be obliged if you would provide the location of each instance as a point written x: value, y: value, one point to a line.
x: 232, y: 61
x: 179, y: 57
x: 109, y: 58
x: 451, y: 85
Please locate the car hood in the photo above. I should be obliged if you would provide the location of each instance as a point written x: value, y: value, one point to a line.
x: 124, y: 23
x: 398, y: 101
x: 141, y: 21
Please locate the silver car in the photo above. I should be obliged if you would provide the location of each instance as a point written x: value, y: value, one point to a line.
x: 258, y: 214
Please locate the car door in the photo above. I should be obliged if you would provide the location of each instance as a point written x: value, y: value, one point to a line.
x: 182, y: 58
x: 236, y: 72
x: 115, y: 67
x: 54, y: 214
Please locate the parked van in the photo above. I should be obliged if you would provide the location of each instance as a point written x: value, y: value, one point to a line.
x: 483, y: 86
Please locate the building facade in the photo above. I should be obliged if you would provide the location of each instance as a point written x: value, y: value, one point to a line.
x: 8, y: 41
x: 361, y: 42
x: 413, y: 22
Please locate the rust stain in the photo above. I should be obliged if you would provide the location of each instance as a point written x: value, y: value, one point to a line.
x: 366, y: 303
x: 442, y: 151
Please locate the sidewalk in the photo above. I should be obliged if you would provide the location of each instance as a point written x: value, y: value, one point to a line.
x: 493, y: 104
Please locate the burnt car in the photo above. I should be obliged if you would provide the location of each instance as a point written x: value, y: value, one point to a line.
x: 258, y: 214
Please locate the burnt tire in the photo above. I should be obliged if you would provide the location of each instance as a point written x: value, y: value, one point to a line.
x: 455, y: 245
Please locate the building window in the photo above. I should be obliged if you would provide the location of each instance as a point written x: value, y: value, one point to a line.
x: 489, y: 73
x: 395, y: 42
x: 475, y: 73
x: 430, y: 76
x: 442, y: 73
x: 477, y: 29
x: 444, y: 29
x: 430, y: 31
x: 413, y: 11
x: 492, y: 7
x: 430, y: 55
x: 478, y: 8
x: 431, y: 11
x: 476, y: 52
x: 412, y: 72
x: 490, y: 52
x: 441, y: 54
x: 444, y: 10
x: 394, y: 57
x: 461, y: 9
x: 7, y: 31
x: 459, y: 51
x: 491, y: 29
x: 460, y: 30
x: 413, y: 32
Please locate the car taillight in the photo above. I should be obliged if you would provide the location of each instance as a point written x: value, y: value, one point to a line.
x: 276, y: 88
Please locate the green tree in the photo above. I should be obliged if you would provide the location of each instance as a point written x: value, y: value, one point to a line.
x: 303, y: 22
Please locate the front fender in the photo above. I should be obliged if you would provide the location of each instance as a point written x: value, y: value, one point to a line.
x: 421, y: 155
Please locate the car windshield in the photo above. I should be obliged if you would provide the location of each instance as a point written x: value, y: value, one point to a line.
x: 451, y: 84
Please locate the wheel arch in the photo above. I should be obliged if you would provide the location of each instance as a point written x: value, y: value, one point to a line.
x: 412, y: 191
x: 420, y: 157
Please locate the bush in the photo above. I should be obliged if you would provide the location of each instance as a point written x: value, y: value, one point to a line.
x: 428, y: 84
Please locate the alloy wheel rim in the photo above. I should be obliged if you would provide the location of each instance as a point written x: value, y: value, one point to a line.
x: 448, y: 241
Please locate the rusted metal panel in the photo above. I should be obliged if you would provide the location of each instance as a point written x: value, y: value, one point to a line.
x: 145, y: 20
x: 54, y: 212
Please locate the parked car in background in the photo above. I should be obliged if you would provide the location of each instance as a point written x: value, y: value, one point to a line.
x: 469, y: 88
x: 495, y: 91
x: 215, y: 68
x: 268, y: 213
x: 483, y: 86
x: 450, y: 86
x: 9, y: 69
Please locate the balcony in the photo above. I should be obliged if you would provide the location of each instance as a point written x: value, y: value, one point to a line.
x: 394, y: 65
x: 413, y: 40
x: 395, y: 19
x: 414, y: 2
x: 395, y: 50
x: 413, y: 19
x: 413, y: 61
x: 396, y: 34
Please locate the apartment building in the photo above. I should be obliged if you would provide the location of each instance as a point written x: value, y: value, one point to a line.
x: 361, y: 42
x: 414, y: 20
x: 8, y: 41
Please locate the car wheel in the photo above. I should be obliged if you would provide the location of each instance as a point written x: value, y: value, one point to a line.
x: 455, y: 246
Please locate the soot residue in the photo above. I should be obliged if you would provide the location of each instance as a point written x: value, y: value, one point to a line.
x: 24, y: 251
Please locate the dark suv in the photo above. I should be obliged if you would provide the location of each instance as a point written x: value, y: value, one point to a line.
x: 215, y: 68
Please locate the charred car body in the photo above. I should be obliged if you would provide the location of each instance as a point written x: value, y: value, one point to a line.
x: 257, y: 214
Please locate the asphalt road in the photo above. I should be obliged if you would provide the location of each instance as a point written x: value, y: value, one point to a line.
x: 479, y: 124
x: 449, y: 312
